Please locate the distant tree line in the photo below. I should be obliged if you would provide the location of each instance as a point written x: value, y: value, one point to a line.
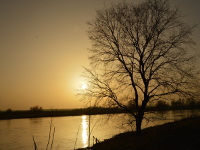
x: 37, y: 111
x: 180, y: 104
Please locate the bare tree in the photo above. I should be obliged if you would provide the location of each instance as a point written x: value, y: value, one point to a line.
x: 140, y: 53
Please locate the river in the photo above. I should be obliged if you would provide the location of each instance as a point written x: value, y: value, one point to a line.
x: 72, y: 131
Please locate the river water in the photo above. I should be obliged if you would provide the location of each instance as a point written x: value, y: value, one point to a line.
x: 72, y: 132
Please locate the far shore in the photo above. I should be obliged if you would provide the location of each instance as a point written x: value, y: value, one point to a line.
x: 179, y: 135
x: 57, y: 113
x: 20, y: 114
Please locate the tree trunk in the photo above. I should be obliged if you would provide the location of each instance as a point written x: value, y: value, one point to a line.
x: 138, y: 125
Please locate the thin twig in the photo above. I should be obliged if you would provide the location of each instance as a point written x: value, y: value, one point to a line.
x: 35, y: 145
x: 53, y: 137
x: 76, y: 137
x: 49, y: 134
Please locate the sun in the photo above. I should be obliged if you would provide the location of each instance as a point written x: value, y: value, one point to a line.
x: 84, y: 86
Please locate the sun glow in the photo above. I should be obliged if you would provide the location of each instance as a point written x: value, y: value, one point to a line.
x: 84, y: 86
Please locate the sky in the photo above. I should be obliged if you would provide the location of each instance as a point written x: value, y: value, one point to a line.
x: 44, y: 47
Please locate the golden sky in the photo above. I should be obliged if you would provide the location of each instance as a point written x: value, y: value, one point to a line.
x: 43, y: 48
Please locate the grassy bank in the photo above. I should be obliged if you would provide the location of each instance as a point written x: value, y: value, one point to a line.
x: 179, y: 135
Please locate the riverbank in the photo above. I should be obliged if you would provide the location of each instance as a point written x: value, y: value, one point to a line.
x: 19, y: 114
x: 179, y: 135
x: 57, y: 112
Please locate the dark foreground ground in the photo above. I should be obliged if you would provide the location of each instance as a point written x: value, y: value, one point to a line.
x: 179, y: 135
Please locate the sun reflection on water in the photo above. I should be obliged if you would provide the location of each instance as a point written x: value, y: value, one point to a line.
x: 84, y: 131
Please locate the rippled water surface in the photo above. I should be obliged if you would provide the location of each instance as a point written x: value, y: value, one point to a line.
x: 72, y: 132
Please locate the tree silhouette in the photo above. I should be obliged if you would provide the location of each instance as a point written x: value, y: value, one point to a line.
x: 36, y: 109
x: 140, y: 53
